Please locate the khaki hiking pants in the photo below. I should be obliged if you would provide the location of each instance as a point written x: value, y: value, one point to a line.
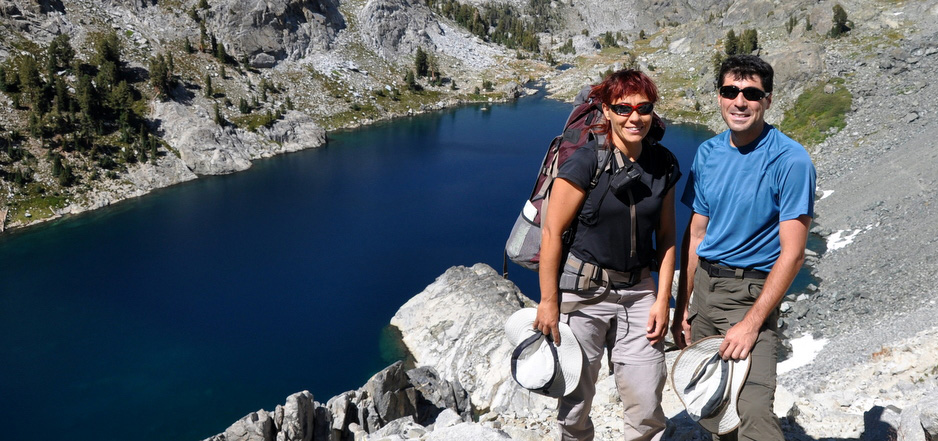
x: 618, y: 323
x: 717, y: 305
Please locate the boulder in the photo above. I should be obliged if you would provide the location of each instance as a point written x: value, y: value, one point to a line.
x: 295, y: 420
x: 256, y: 426
x: 919, y: 422
x: 437, y: 395
x: 468, y: 432
x: 456, y: 326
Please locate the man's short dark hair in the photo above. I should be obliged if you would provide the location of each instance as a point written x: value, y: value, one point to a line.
x: 747, y: 66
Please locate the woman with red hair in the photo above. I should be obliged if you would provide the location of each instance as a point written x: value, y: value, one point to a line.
x: 601, y: 240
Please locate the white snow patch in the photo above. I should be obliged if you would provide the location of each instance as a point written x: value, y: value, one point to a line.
x: 843, y: 238
x: 804, y: 350
x: 825, y: 194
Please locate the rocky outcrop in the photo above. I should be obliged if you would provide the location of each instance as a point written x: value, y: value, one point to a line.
x: 396, y: 28
x: 267, y: 31
x: 393, y: 401
x: 456, y: 326
x: 209, y: 149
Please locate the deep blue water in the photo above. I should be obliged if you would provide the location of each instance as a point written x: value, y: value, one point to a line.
x: 170, y: 316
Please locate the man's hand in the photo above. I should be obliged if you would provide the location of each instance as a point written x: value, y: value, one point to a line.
x: 680, y: 329
x: 548, y: 320
x: 739, y: 340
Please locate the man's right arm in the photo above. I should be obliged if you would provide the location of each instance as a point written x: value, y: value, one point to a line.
x: 693, y: 236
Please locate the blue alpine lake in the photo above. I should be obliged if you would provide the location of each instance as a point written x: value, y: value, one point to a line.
x: 170, y: 316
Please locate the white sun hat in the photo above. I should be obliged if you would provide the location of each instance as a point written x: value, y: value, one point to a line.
x: 536, y: 363
x: 709, y: 386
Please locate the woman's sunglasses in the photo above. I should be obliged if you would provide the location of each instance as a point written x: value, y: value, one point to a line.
x: 750, y: 93
x: 626, y: 109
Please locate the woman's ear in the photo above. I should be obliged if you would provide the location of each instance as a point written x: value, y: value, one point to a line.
x: 606, y: 112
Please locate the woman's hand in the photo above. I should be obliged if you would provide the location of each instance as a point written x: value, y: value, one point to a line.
x: 657, y: 322
x: 548, y: 320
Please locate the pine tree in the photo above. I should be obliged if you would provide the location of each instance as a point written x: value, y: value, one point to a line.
x: 30, y: 82
x: 839, y: 27
x: 220, y: 53
x: 161, y: 76
x: 748, y: 42
x: 731, y: 43
x: 107, y: 48
x: 120, y: 100
x: 108, y: 75
x: 421, y: 62
x: 62, y: 102
x: 209, y: 92
x: 411, y: 81
x: 4, y: 86
x: 57, y: 168
x: 792, y: 21
x: 214, y: 47
x: 152, y: 145
x: 60, y: 53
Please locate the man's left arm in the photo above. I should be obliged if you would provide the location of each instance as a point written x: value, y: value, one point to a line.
x: 793, y: 235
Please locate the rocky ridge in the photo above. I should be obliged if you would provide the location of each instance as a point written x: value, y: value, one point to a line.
x: 339, y: 62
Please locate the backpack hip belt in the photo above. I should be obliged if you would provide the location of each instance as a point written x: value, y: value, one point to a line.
x: 589, y: 277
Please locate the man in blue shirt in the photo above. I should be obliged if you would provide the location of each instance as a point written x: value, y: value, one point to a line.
x: 751, y: 189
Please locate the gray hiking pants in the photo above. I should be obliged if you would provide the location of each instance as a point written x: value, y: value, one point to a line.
x: 639, y: 368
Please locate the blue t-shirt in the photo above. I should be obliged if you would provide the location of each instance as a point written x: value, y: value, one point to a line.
x: 746, y: 192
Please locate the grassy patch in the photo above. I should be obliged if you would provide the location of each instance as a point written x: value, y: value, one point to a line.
x: 38, y: 207
x: 253, y: 121
x: 815, y: 113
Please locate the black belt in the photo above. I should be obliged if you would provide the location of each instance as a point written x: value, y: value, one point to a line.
x: 717, y: 270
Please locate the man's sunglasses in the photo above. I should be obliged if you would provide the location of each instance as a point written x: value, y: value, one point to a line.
x: 626, y: 109
x: 750, y: 93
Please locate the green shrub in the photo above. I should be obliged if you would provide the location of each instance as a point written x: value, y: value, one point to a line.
x: 815, y: 113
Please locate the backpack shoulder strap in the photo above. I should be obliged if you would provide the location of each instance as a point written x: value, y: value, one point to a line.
x: 603, y: 156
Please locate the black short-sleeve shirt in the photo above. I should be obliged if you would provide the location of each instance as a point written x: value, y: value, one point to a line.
x: 602, y: 233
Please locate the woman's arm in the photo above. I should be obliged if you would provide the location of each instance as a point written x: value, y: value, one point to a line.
x: 563, y: 204
x: 696, y: 230
x: 664, y: 239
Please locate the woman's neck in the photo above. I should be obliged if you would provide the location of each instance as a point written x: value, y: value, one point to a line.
x: 631, y: 151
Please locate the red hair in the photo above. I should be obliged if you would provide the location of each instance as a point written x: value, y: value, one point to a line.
x: 619, y: 84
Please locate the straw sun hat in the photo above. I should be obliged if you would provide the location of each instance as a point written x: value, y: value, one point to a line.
x: 709, y: 386
x: 536, y: 363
